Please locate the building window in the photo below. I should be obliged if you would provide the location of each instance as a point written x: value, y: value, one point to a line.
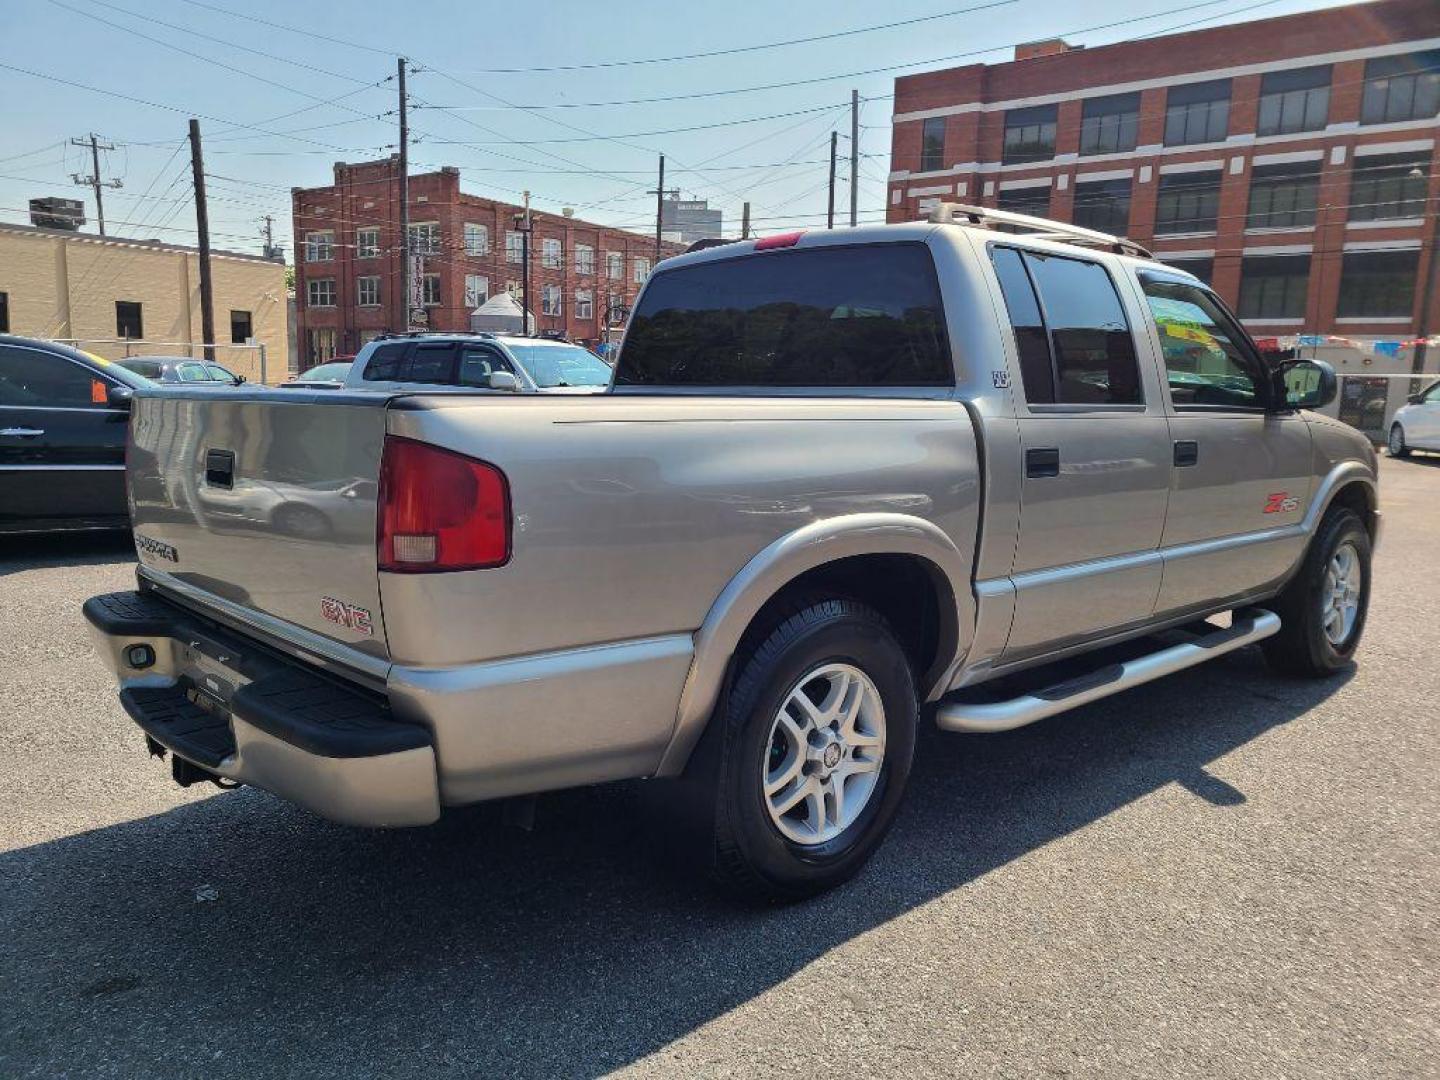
x: 320, y: 292
x: 4, y: 313
x: 477, y: 239
x: 242, y: 327
x: 127, y: 319
x: 1197, y: 113
x: 367, y: 243
x: 1110, y: 125
x: 514, y: 247
x: 321, y: 347
x: 1389, y: 186
x: 1026, y: 200
x: 1401, y: 88
x: 1273, y: 286
x: 425, y: 238
x: 1202, y: 268
x: 1292, y: 101
x: 1188, y: 202
x: 1103, y: 205
x: 550, y: 253
x: 1029, y: 134
x: 1379, y: 284
x: 367, y: 291
x: 642, y: 270
x: 584, y: 259
x: 1282, y: 196
x: 477, y: 290
x: 320, y: 246
x: 431, y: 285
x: 932, y: 144
x: 584, y: 305
x: 614, y: 265
x: 551, y: 300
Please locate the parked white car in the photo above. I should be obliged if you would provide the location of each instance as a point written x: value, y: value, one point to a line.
x: 1417, y: 425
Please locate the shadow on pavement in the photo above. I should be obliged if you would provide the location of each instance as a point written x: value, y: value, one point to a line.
x: 469, y: 948
x: 35, y: 552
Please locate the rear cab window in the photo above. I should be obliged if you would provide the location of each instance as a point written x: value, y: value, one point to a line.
x: 1074, y: 342
x: 861, y: 316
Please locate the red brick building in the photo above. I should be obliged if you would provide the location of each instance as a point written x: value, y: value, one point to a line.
x: 1289, y: 161
x: 349, y: 268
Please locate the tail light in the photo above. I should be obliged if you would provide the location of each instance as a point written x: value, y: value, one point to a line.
x: 440, y: 510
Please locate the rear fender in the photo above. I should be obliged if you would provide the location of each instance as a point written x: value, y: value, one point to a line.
x: 782, y: 562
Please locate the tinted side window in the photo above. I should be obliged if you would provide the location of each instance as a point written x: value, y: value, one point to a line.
x: 33, y: 379
x: 848, y: 316
x: 1094, y: 351
x: 384, y: 363
x: 431, y: 364
x: 1205, y: 361
x: 1031, y: 341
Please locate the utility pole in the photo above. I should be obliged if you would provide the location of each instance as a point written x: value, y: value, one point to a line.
x: 830, y: 208
x: 745, y: 222
x: 202, y: 227
x: 93, y: 180
x: 660, y: 194
x: 405, y: 281
x: 854, y: 158
x: 524, y: 223
x: 269, y: 236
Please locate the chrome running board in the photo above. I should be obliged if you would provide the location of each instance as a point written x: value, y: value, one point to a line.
x: 1247, y: 627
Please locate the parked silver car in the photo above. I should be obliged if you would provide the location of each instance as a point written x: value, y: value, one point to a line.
x: 839, y: 475
x: 478, y: 361
x: 1416, y: 425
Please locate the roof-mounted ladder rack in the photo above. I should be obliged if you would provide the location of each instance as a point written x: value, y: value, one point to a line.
x: 1034, y: 228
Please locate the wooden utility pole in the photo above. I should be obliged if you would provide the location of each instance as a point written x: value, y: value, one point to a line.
x: 202, y: 227
x: 405, y: 281
x: 660, y: 194
x: 854, y: 158
x: 93, y: 180
x: 745, y: 222
x: 830, y: 208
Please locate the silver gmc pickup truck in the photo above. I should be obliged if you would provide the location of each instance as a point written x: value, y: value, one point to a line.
x: 985, y: 467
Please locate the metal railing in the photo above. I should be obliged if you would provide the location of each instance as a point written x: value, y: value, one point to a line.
x: 248, y: 360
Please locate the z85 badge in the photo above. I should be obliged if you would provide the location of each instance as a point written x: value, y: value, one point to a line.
x: 346, y: 615
x: 1281, y: 502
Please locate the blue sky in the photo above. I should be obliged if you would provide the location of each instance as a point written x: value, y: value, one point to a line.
x: 316, y: 101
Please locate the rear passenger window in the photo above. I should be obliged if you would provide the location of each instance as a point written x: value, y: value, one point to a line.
x: 1091, y: 350
x: 432, y: 364
x: 384, y: 363
x: 833, y: 316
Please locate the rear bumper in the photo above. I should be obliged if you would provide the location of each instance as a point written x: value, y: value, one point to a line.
x: 248, y: 714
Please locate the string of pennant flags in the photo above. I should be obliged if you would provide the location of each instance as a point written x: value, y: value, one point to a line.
x: 1376, y: 347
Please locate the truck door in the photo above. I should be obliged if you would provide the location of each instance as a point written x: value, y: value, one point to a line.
x: 1095, y: 450
x: 1241, y: 479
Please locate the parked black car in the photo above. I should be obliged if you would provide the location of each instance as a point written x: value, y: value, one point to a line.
x: 63, y: 418
x: 180, y: 369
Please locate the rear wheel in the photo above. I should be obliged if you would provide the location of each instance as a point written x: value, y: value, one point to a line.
x: 1322, y: 611
x: 1395, y: 444
x: 809, y: 754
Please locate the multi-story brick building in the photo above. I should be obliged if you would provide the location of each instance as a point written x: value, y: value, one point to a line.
x: 349, y: 268
x: 1288, y: 161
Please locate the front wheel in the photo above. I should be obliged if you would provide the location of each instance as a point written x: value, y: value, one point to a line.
x: 811, y: 753
x: 1322, y: 610
x: 1395, y: 444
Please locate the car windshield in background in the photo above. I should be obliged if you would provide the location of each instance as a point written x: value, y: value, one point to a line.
x: 561, y: 365
x: 827, y: 316
x: 326, y: 373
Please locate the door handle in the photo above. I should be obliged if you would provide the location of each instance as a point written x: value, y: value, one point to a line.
x: 1042, y: 462
x: 1187, y: 452
x: 22, y: 432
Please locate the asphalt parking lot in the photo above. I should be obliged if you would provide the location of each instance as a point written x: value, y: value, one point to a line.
x: 1222, y: 874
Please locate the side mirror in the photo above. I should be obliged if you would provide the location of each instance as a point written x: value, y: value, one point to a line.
x: 1305, y: 384
x: 239, y: 379
x: 119, y: 397
x: 1415, y: 399
x: 504, y: 380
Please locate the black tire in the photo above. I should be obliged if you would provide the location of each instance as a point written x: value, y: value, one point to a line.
x: 742, y: 847
x: 1395, y: 444
x: 1302, y: 647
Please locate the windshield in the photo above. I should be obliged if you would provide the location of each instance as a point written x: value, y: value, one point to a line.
x: 561, y: 365
x: 331, y: 372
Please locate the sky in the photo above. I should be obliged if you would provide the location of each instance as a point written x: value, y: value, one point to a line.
x: 557, y: 98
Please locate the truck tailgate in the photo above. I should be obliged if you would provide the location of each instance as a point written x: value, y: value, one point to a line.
x: 264, y: 498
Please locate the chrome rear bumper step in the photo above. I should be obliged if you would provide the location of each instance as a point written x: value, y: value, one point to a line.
x: 1247, y: 627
